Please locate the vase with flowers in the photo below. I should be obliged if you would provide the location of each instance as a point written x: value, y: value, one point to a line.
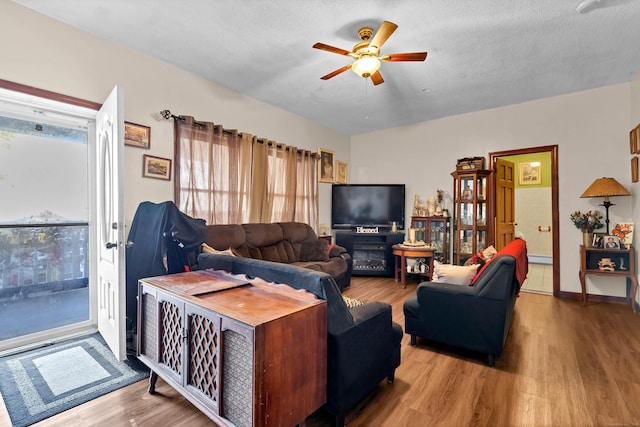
x: 587, y: 222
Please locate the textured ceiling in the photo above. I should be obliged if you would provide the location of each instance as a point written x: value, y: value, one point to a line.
x: 482, y: 53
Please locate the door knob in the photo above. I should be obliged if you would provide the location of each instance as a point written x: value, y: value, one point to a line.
x: 110, y: 245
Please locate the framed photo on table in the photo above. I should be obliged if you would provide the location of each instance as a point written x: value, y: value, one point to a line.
x: 598, y: 238
x: 624, y: 232
x: 611, y: 242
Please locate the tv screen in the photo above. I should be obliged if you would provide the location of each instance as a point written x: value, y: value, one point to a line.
x: 367, y: 205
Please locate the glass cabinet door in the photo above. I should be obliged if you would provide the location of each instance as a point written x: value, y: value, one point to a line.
x: 437, y: 231
x: 434, y: 231
x: 420, y: 224
x: 471, y: 213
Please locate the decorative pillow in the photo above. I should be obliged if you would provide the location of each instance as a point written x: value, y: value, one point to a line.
x: 209, y: 250
x: 454, y: 274
x: 475, y: 259
x: 489, y: 253
x: 352, y: 302
x: 315, y: 250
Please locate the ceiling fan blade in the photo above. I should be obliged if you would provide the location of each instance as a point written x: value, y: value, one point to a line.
x: 333, y: 49
x: 336, y: 72
x: 386, y: 29
x: 397, y: 57
x: 376, y: 78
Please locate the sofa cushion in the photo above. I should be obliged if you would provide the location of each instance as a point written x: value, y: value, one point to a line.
x: 454, y: 274
x: 221, y: 237
x: 314, y: 250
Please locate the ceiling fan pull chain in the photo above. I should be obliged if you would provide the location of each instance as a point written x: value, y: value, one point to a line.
x: 366, y: 103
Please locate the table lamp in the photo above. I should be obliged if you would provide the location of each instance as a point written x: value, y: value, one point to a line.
x: 605, y: 187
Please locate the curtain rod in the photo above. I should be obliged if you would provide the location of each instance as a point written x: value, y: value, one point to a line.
x: 166, y: 114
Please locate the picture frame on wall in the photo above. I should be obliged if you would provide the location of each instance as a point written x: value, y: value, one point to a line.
x: 634, y: 169
x: 633, y: 140
x: 136, y: 135
x: 530, y: 173
x: 326, y: 165
x: 156, y: 167
x: 341, y: 172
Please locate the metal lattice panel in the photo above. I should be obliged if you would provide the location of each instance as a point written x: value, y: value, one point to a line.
x: 204, y: 356
x: 237, y: 386
x: 171, y: 337
x: 150, y: 331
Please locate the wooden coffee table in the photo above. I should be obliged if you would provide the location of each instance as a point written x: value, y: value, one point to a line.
x: 403, y: 252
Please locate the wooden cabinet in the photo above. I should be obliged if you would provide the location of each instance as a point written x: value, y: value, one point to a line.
x: 434, y: 231
x: 612, y: 263
x: 471, y: 213
x: 246, y: 353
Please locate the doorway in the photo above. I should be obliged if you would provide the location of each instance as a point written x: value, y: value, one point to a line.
x: 62, y: 252
x: 543, y: 236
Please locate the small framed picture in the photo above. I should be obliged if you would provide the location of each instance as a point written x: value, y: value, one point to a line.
x: 137, y: 135
x: 341, y: 172
x: 156, y: 167
x: 634, y: 140
x: 530, y: 173
x: 326, y: 165
x: 597, y: 240
x: 634, y: 169
x: 611, y: 242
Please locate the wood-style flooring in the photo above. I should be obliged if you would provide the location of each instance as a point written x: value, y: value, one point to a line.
x: 564, y: 364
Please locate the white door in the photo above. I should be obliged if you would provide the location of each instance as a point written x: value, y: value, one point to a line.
x: 110, y: 239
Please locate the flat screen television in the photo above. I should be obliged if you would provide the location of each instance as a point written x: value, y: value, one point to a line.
x: 367, y: 205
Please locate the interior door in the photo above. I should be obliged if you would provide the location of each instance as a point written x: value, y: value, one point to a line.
x: 110, y: 223
x: 505, y: 202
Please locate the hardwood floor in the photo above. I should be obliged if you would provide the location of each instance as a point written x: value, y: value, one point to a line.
x: 563, y: 365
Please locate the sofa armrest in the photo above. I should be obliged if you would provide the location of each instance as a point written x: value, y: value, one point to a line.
x: 360, y: 356
x: 460, y: 315
x: 337, y: 250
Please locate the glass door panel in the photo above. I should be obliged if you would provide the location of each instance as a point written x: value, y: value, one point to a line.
x: 44, y: 262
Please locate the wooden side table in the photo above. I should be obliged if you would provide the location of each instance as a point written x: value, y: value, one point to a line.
x: 402, y: 252
x: 624, y: 266
x: 327, y: 237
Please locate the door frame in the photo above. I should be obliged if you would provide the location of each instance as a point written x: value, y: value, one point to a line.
x: 555, y: 203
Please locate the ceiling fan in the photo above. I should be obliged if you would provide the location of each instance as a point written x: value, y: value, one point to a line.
x: 367, y: 53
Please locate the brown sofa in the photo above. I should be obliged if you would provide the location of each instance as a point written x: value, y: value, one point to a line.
x: 285, y: 242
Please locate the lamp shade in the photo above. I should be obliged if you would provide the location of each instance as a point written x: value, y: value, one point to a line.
x: 605, y: 187
x: 366, y: 65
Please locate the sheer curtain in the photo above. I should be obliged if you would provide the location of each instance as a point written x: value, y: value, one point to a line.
x: 228, y: 177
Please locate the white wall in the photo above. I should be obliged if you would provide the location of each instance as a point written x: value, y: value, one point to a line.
x: 44, y: 53
x: 591, y: 130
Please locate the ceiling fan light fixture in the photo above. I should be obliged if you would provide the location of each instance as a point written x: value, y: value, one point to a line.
x: 366, y: 65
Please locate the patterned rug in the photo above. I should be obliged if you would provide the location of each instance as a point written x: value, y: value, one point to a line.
x: 43, y: 382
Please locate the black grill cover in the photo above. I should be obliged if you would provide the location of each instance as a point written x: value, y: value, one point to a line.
x: 159, y: 230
